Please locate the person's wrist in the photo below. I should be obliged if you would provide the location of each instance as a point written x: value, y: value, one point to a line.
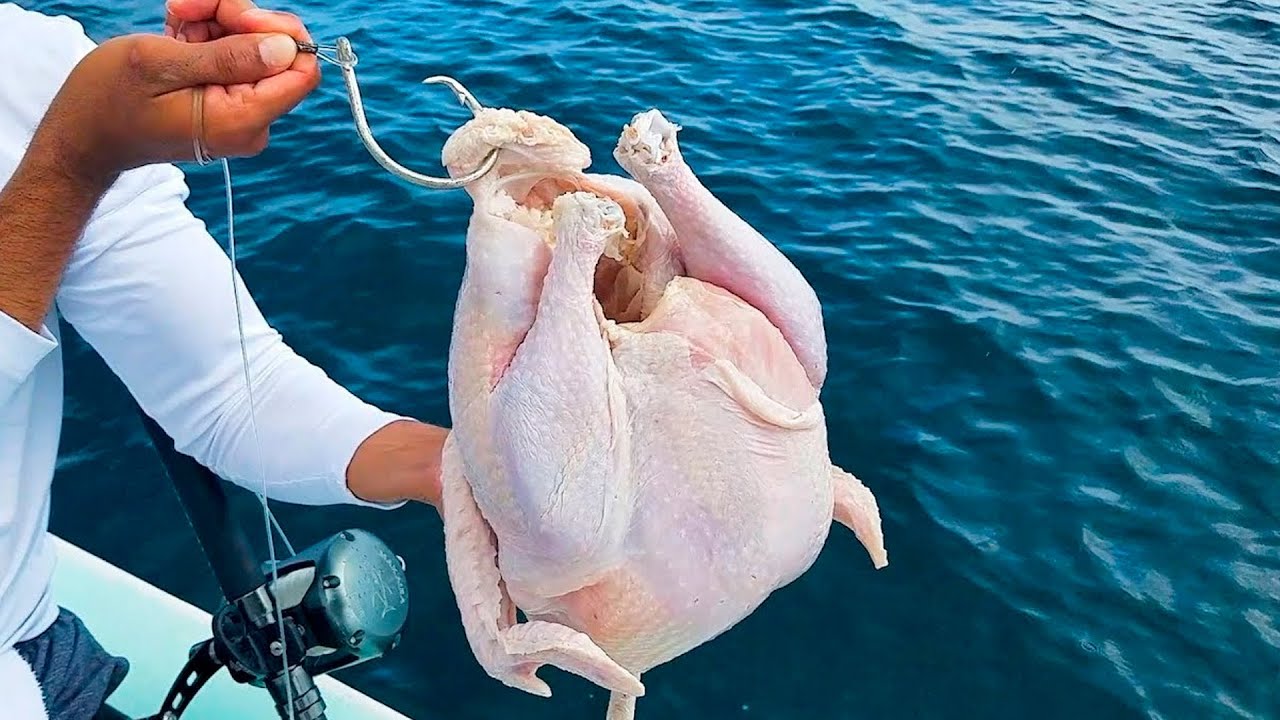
x: 76, y: 137
x: 73, y: 156
x: 399, y: 462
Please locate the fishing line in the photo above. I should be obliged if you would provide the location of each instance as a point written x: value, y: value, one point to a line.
x: 269, y: 520
x: 342, y: 55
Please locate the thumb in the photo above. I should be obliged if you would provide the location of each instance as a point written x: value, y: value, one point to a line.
x: 230, y: 60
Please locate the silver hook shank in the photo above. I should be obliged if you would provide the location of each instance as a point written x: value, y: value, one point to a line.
x: 347, y: 62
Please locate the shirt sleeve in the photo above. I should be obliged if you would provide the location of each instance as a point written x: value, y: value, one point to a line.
x: 21, y: 350
x: 151, y: 291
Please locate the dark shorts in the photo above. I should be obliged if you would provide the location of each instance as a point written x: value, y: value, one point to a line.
x: 74, y: 672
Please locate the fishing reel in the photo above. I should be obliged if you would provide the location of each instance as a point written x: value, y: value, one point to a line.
x: 339, y: 603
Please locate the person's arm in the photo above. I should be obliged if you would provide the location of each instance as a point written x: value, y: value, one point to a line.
x: 127, y: 105
x: 150, y: 290
x: 120, y: 107
x: 43, y: 209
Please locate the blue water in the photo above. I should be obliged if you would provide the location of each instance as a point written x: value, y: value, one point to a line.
x: 1047, y: 239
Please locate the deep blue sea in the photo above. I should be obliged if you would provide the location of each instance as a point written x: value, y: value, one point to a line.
x: 1046, y: 235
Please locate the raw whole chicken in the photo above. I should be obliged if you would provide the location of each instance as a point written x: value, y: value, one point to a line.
x: 638, y: 455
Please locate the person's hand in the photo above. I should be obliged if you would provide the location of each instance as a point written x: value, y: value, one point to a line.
x: 130, y: 102
x: 401, y: 461
x: 202, y: 20
x: 199, y: 21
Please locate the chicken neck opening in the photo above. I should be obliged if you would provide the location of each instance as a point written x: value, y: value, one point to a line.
x: 526, y: 198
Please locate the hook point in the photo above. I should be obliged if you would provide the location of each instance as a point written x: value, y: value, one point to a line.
x: 459, y: 90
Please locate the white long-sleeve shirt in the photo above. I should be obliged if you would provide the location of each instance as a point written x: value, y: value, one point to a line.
x: 149, y: 289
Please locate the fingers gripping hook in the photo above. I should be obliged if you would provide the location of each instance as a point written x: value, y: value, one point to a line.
x: 346, y: 60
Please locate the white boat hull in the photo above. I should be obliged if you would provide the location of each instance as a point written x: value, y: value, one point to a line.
x: 155, y: 631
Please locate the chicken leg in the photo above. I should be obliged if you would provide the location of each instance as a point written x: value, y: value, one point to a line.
x: 509, y: 652
x: 720, y: 248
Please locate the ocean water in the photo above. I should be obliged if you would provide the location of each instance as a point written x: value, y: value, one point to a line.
x: 1046, y: 235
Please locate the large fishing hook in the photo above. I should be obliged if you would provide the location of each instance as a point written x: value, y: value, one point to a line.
x: 345, y: 58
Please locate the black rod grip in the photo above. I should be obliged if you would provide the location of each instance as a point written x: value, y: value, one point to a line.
x: 210, y: 511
